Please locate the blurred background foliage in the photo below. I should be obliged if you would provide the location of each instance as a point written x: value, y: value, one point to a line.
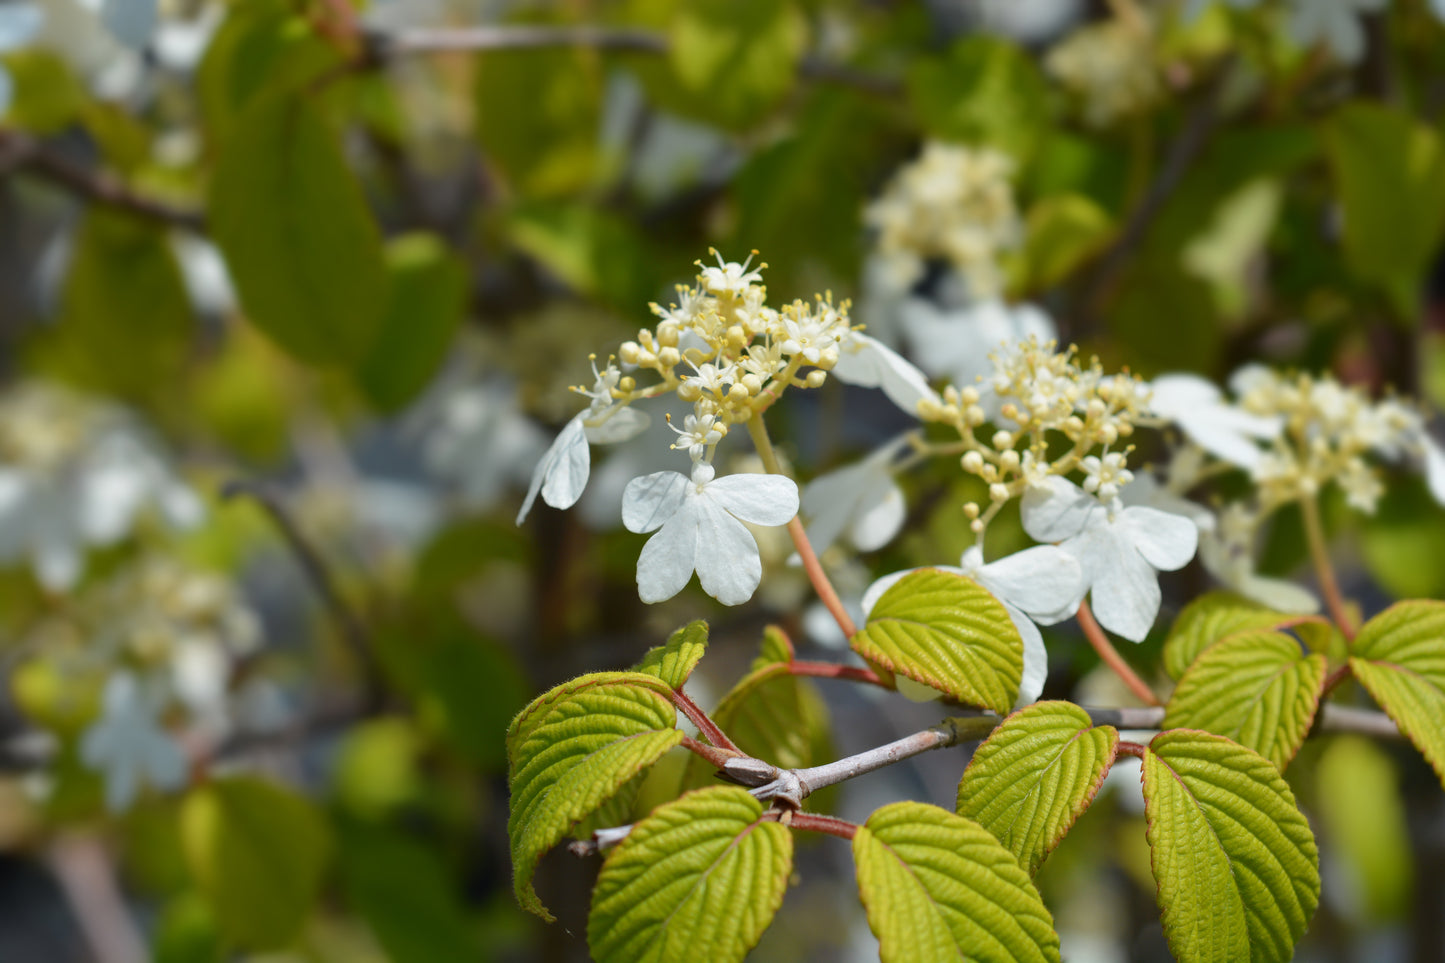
x: 350, y: 255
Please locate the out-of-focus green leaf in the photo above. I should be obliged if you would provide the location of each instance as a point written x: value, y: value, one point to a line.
x: 407, y: 897
x: 947, y: 632
x: 1364, y: 827
x: 1235, y: 860
x: 241, y: 396
x: 47, y: 97
x: 538, y: 113
x: 1062, y: 231
x: 939, y: 887
x: 1222, y: 253
x: 1401, y: 543
x: 597, y: 253
x: 984, y: 91
x: 1391, y: 176
x: 258, y: 853
x: 1257, y: 687
x: 1035, y: 775
x: 187, y: 932
x: 699, y: 879
x: 301, y: 244
x: 377, y: 768
x: 124, y: 139
x: 740, y: 55
x: 123, y: 298
x: 1399, y: 656
x: 427, y: 301
x: 62, y: 701
x: 1156, y: 289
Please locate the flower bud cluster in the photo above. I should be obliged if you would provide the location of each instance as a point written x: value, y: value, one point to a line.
x: 722, y: 349
x: 953, y: 203
x: 1329, y: 431
x: 1049, y: 415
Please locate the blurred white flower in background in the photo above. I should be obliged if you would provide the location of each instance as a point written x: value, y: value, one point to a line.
x: 19, y: 23
x: 956, y: 343
x: 77, y: 473
x: 1224, y: 430
x: 128, y: 744
x: 478, y: 439
x: 861, y: 501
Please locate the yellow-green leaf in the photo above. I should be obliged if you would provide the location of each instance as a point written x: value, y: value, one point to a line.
x: 939, y: 887
x: 946, y: 631
x: 1236, y: 863
x: 571, y: 751
x: 1399, y: 656
x: 697, y: 880
x: 1208, y: 619
x: 674, y: 661
x: 1257, y: 687
x: 1035, y: 775
x: 257, y: 852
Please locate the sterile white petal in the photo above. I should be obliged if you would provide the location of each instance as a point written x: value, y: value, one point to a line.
x: 1036, y: 657
x: 882, y: 512
x: 1125, y: 589
x: 566, y: 441
x: 666, y: 561
x: 759, y: 499
x: 620, y: 425
x: 1045, y: 582
x: 1166, y: 541
x: 728, y: 564
x: 649, y: 501
x: 870, y: 364
x: 1056, y: 510
x: 567, y: 474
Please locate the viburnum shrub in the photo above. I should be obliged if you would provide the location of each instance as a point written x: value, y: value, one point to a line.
x: 1253, y: 669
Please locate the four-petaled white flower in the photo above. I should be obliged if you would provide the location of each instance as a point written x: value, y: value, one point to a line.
x: 1118, y: 548
x: 868, y: 363
x: 861, y: 500
x: 129, y: 746
x: 1223, y: 430
x: 699, y: 525
x: 1042, y: 585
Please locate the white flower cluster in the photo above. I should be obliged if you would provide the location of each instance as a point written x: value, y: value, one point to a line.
x: 729, y: 355
x: 74, y: 473
x: 954, y: 204
x: 1110, y: 67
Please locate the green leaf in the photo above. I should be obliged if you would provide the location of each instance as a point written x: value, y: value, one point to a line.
x: 699, y: 879
x: 571, y: 751
x: 296, y: 233
x: 47, y: 95
x: 937, y: 886
x: 985, y: 91
x: 1363, y: 822
x: 1257, y: 687
x: 1391, y: 175
x: 1235, y: 861
x: 946, y: 631
x: 674, y: 661
x: 257, y: 852
x: 741, y: 55
x: 428, y: 299
x: 186, y: 932
x: 772, y: 715
x: 1208, y: 619
x: 597, y: 253
x: 1035, y: 775
x: 1399, y: 656
x: 124, y: 297
x: 1063, y: 230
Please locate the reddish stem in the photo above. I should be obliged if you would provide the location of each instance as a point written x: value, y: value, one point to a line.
x: 1095, y: 634
x: 831, y: 670
x: 1127, y: 748
x: 826, y: 594
x: 718, y: 757
x: 706, y: 726
x: 1334, y: 679
x: 824, y: 824
x: 1324, y: 571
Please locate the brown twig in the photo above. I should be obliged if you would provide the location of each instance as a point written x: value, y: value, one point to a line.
x: 24, y: 154
x: 823, y: 824
x: 705, y: 726
x: 86, y: 876
x: 1100, y: 641
x: 1324, y: 571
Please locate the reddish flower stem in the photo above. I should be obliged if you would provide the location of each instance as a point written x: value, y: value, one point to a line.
x: 1127, y: 748
x: 1324, y: 571
x: 824, y: 824
x: 705, y: 726
x: 1100, y: 641
x: 826, y: 593
x: 831, y: 670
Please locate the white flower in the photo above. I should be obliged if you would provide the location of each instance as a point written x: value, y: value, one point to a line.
x: 131, y: 21
x: 699, y: 525
x: 729, y: 277
x: 1043, y: 585
x: 75, y: 473
x: 1335, y: 23
x: 860, y: 500
x: 19, y: 22
x: 1226, y: 549
x: 129, y: 746
x: 870, y: 364
x: 1118, y: 548
x: 956, y: 344
x: 480, y: 440
x: 1223, y: 430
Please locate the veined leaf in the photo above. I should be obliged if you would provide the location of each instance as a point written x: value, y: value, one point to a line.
x: 1399, y: 656
x: 948, y: 632
x: 1256, y: 687
x: 1236, y: 863
x: 771, y: 715
x: 937, y: 886
x: 302, y: 246
x: 1208, y: 619
x: 674, y: 661
x: 698, y: 880
x: 571, y: 751
x: 1035, y: 775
